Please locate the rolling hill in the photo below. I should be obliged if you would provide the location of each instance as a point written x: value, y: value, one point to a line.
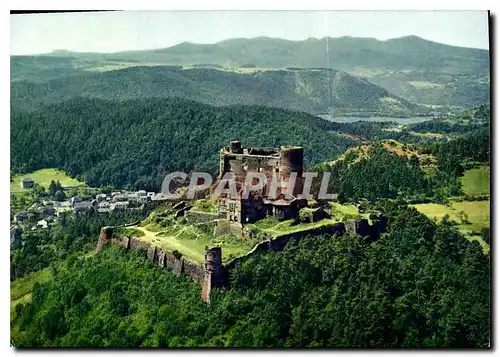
x: 313, y: 91
x: 410, y: 67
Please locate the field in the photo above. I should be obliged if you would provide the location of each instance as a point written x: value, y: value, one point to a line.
x: 478, y: 216
x: 426, y: 85
x: 476, y: 181
x: 20, y: 289
x: 43, y: 177
x: 427, y: 134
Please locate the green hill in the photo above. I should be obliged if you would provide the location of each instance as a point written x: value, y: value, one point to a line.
x: 313, y: 91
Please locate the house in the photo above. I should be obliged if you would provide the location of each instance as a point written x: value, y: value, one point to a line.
x: 42, y: 224
x: 74, y: 200
x: 103, y: 207
x: 101, y: 197
x: 119, y: 198
x: 82, y: 207
x: 160, y: 197
x: 27, y: 183
x: 119, y: 206
x: 62, y: 204
x: 141, y: 193
x: 19, y: 217
x: 48, y: 210
x: 132, y: 196
x: 62, y: 207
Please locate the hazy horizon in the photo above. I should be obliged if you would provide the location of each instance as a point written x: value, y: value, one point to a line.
x: 108, y: 32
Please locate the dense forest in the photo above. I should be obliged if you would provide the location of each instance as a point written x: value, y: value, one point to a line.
x: 421, y: 285
x: 133, y: 144
x: 115, y: 121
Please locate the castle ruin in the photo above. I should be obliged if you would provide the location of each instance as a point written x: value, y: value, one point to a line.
x: 274, y: 163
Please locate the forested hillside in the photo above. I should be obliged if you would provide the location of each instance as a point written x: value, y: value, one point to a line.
x: 416, y: 172
x: 313, y: 91
x: 135, y: 143
x: 422, y: 285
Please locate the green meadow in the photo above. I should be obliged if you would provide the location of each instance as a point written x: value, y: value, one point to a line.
x: 43, y: 177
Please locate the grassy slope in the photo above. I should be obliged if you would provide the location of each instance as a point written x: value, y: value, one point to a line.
x: 478, y: 213
x: 43, y: 177
x: 273, y: 227
x: 476, y: 181
x: 20, y: 289
x: 191, y: 242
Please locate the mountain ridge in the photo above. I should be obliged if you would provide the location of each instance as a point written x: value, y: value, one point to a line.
x: 410, y: 67
x: 312, y: 91
x: 309, y: 39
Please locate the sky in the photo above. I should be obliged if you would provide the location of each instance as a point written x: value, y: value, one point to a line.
x: 139, y: 30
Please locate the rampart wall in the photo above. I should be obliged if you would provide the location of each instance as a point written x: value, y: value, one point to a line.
x: 213, y: 273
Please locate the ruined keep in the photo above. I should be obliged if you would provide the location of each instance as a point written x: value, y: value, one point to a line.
x: 274, y: 163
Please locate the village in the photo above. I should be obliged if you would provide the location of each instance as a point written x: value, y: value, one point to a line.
x: 43, y: 214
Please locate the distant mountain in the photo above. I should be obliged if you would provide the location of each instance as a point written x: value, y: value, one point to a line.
x: 343, y: 53
x: 315, y: 91
x: 134, y: 143
x: 413, y: 68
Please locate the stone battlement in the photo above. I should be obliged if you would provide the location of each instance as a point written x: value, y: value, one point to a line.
x: 213, y: 273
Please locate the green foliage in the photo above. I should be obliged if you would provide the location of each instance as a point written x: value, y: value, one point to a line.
x: 382, y: 175
x: 308, y: 91
x: 133, y: 144
x: 421, y: 285
x: 38, y: 249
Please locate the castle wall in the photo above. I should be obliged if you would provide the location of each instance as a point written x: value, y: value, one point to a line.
x: 200, y: 217
x: 213, y: 273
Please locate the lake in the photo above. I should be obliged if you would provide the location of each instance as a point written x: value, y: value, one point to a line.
x: 376, y: 119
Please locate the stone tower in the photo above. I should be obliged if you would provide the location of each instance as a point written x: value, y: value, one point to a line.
x: 104, y: 237
x: 213, y: 272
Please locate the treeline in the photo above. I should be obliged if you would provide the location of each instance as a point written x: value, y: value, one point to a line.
x: 382, y: 175
x: 440, y: 126
x: 374, y: 131
x: 133, y: 144
x: 474, y: 146
x: 422, y: 285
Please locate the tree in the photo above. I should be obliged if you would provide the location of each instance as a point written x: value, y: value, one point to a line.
x: 59, y: 195
x: 464, y: 218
